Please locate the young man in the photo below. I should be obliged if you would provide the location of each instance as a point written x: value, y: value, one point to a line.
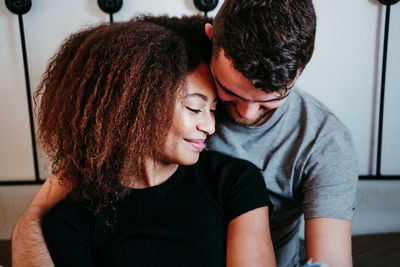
x: 306, y: 155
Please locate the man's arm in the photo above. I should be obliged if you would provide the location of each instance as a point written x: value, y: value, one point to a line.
x: 249, y: 241
x: 329, y: 195
x: 28, y: 244
x: 328, y: 241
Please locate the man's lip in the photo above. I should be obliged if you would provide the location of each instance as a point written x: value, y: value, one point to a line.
x: 197, y: 144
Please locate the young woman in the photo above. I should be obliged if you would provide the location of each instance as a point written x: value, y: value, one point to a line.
x: 125, y: 110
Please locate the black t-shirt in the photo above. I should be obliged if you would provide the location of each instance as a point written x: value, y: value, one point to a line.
x: 181, y: 222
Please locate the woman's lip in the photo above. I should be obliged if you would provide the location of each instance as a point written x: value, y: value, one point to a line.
x: 197, y: 144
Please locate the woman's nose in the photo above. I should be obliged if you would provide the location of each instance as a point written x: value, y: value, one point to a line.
x: 207, y: 123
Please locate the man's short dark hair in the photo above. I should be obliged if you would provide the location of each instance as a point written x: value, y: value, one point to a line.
x: 269, y: 42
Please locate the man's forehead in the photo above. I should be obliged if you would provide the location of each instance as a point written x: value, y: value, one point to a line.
x: 230, y: 79
x: 223, y: 70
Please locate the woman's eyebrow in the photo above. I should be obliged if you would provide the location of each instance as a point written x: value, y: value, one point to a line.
x: 204, y: 97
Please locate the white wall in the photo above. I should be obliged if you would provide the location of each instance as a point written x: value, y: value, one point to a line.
x: 344, y: 73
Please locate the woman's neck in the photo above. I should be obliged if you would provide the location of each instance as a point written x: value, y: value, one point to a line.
x: 156, y: 173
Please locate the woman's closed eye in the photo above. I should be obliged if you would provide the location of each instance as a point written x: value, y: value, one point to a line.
x: 194, y: 110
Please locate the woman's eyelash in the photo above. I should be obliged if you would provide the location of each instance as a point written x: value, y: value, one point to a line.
x: 199, y: 110
x: 194, y: 110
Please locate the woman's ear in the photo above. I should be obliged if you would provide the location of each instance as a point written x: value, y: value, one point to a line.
x: 208, y: 30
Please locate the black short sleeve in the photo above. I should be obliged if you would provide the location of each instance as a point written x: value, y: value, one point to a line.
x: 240, y: 184
x: 244, y: 192
x: 67, y: 236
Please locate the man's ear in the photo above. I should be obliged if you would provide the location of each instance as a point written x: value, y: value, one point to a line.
x: 208, y: 30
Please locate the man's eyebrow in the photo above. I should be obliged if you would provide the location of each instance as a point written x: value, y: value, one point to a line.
x: 278, y: 98
x: 258, y: 101
x: 228, y: 91
x: 204, y: 97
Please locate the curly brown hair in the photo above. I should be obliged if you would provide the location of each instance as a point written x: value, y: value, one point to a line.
x: 106, y: 101
x: 269, y: 42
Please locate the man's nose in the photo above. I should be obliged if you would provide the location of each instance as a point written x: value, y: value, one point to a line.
x: 247, y: 110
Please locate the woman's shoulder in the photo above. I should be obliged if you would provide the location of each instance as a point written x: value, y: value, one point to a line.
x: 216, y: 159
x: 223, y: 171
x: 236, y: 184
x: 66, y: 219
x: 65, y: 208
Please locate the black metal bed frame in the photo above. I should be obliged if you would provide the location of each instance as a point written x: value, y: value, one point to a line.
x: 19, y: 8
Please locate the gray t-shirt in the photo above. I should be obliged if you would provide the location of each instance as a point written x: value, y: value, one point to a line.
x: 308, y: 161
